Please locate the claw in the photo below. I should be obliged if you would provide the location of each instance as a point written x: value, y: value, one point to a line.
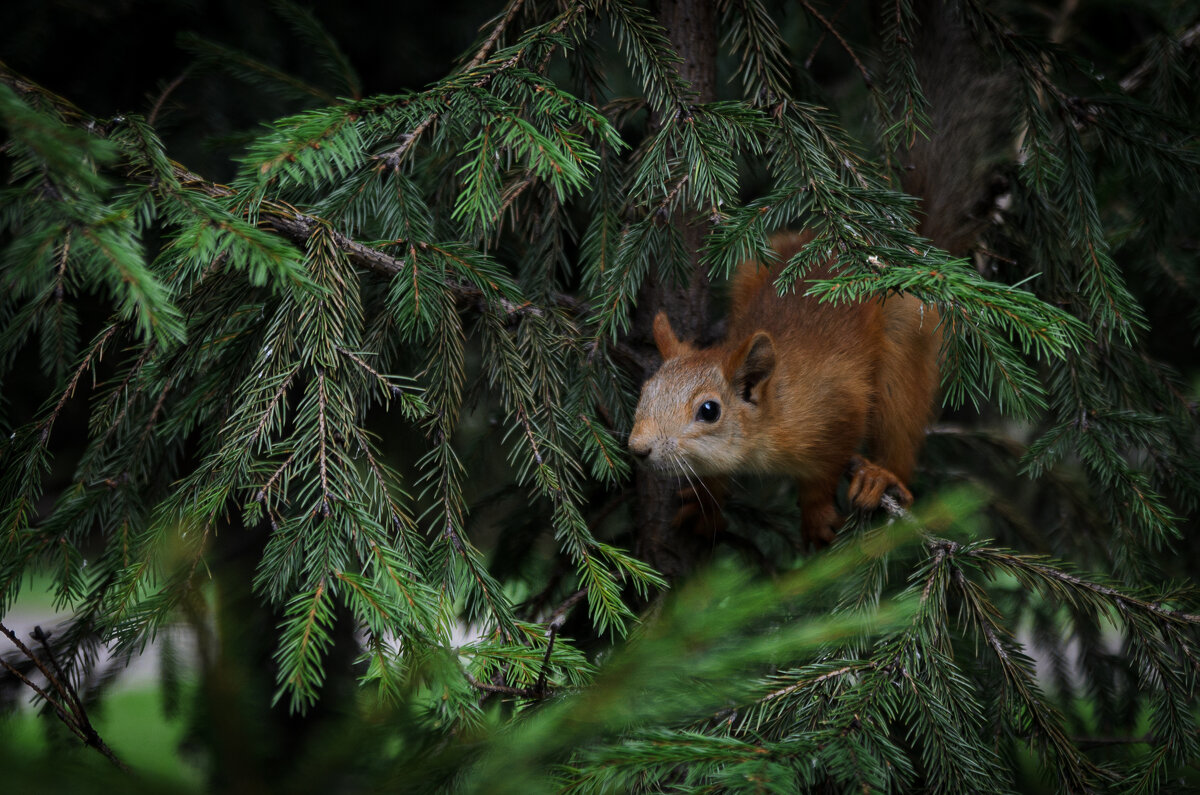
x: 869, y: 481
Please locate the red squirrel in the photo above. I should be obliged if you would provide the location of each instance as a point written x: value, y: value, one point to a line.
x: 796, y: 388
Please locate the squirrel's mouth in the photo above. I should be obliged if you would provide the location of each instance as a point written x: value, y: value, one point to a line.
x: 672, y: 466
x: 660, y: 467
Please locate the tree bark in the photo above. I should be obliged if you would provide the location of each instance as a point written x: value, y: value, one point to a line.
x: 676, y: 551
x: 961, y: 166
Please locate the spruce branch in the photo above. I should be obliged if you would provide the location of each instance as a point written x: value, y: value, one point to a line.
x: 274, y: 401
x: 1075, y: 770
x: 1038, y: 570
x: 322, y: 440
x: 299, y: 227
x: 115, y: 395
x: 808, y: 683
x: 484, y: 70
x: 294, y: 225
x: 650, y: 53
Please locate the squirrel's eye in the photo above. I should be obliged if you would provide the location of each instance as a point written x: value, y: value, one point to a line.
x: 709, y: 411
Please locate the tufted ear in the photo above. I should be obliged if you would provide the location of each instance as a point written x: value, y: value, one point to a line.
x: 668, y: 344
x: 750, y: 365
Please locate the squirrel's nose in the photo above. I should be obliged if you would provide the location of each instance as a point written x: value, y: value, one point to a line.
x: 639, y: 449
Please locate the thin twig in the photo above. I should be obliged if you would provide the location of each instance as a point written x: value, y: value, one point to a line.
x: 279, y: 393
x: 154, y: 412
x: 73, y: 715
x: 96, y: 351
x: 1062, y: 21
x: 62, y: 267
x: 845, y: 45
x: 552, y: 633
x: 821, y: 39
x: 166, y: 92
x: 1133, y: 81
x: 63, y: 715
x: 322, y: 408
x: 358, y: 360
x: 520, y: 692
x: 557, y: 616
x: 497, y: 31
x: 61, y: 683
x: 890, y: 504
x: 816, y: 680
x: 262, y: 493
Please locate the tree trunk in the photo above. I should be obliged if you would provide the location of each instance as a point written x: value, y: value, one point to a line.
x: 961, y: 166
x: 674, y: 551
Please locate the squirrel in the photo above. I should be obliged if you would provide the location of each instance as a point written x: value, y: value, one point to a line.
x: 795, y: 389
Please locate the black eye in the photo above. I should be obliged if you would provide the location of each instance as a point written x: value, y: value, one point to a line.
x: 709, y: 411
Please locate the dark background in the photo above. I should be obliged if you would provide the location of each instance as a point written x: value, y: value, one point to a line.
x: 112, y: 56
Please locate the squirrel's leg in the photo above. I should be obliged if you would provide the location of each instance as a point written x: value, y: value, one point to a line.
x: 700, y: 506
x: 906, y: 384
x: 819, y: 516
x: 839, y: 435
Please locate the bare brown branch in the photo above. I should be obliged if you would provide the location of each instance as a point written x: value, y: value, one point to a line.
x: 67, y: 704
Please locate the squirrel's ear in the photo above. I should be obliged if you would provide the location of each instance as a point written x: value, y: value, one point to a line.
x: 664, y: 338
x: 750, y: 365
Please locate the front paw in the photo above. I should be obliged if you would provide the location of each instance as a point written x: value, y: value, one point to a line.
x: 869, y: 481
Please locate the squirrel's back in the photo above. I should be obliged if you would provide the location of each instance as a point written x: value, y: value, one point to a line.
x: 798, y: 323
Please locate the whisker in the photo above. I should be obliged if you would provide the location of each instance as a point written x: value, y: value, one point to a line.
x: 703, y: 485
x: 681, y: 468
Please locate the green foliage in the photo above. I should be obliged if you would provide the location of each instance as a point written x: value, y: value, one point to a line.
x: 388, y: 369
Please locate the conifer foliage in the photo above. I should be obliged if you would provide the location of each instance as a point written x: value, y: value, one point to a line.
x: 386, y: 372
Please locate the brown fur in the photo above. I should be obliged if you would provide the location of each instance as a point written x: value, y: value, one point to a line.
x: 802, y: 386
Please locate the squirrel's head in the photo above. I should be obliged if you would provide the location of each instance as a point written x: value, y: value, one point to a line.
x: 695, y: 413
